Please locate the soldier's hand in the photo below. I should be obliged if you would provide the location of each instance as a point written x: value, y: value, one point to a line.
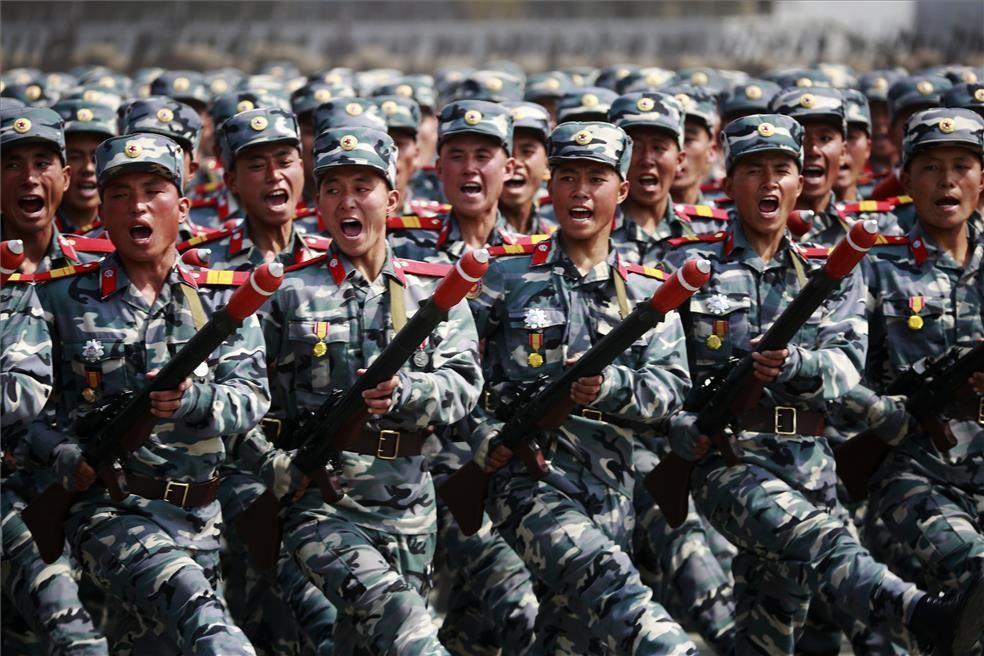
x: 586, y: 389
x: 166, y: 402
x: 977, y: 382
x: 85, y: 476
x: 498, y: 458
x: 379, y: 399
x: 767, y: 365
x: 685, y: 439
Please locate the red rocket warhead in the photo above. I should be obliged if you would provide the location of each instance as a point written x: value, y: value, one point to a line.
x: 11, y: 256
x: 253, y: 293
x: 693, y: 275
x: 849, y: 250
x: 197, y: 257
x: 797, y: 224
x: 466, y: 272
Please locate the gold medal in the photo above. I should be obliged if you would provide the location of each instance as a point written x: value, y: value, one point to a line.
x: 916, y: 304
x: 535, y: 360
x: 319, y: 350
x: 915, y: 322
x: 713, y: 342
x: 89, y: 394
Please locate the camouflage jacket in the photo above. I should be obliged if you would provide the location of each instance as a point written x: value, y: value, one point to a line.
x: 25, y: 381
x: 425, y: 185
x: 636, y: 246
x: 742, y: 300
x: 439, y: 240
x: 543, y: 297
x: 329, y: 302
x: 103, y: 337
x: 828, y: 227
x: 233, y: 250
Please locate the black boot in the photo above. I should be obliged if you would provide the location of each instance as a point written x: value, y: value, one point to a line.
x: 950, y: 624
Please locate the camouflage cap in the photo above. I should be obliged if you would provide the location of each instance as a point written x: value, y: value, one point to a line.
x: 960, y: 74
x: 811, y: 103
x: 348, y: 112
x: 875, y: 84
x: 356, y: 146
x: 108, y: 79
x: 97, y: 94
x: 916, y: 92
x: 223, y: 80
x: 547, y: 85
x: 337, y: 76
x: 366, y: 81
x: 82, y: 117
x: 418, y: 87
x: 33, y: 94
x: 749, y: 97
x: 841, y: 76
x: 585, y: 102
x: 264, y: 84
x: 229, y: 104
x: 32, y: 124
x: 609, y: 76
x: 651, y: 109
x: 142, y: 151
x: 10, y: 103
x: 59, y: 84
x: 476, y: 117
x: 529, y: 116
x: 317, y: 92
x: 697, y: 102
x: 22, y: 75
x: 760, y: 133
x: 283, y: 69
x: 186, y: 86
x: 581, y: 76
x: 256, y: 127
x: 592, y: 140
x: 399, y: 112
x: 951, y: 126
x: 493, y: 86
x: 142, y: 79
x: 800, y: 78
x: 700, y: 76
x: 645, y: 79
x: 165, y: 116
x: 968, y: 95
x: 857, y: 110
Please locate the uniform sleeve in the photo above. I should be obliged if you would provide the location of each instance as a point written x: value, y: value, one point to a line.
x: 25, y: 358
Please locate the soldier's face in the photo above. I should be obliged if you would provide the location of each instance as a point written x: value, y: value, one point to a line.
x: 83, y: 193
x: 700, y: 150
x: 529, y: 172
x: 306, y: 125
x: 472, y: 169
x: 765, y: 187
x: 856, y: 152
x: 656, y: 158
x: 585, y: 195
x: 354, y: 202
x: 427, y: 138
x: 406, y: 163
x: 882, y: 146
x: 823, y: 146
x: 945, y: 183
x: 268, y: 180
x: 141, y: 212
x: 34, y: 182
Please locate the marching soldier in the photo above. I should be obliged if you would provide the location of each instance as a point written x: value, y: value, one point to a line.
x: 519, y: 202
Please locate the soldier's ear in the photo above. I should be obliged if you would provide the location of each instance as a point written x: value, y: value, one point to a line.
x: 905, y: 179
x: 623, y: 191
x: 66, y: 178
x: 437, y: 166
x: 184, y: 206
x: 681, y: 158
x: 510, y: 167
x: 230, y: 180
x: 392, y: 202
x: 193, y: 167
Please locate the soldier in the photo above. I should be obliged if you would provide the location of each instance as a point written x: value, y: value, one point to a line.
x: 537, y: 311
x: 519, y: 202
x: 420, y: 88
x: 700, y: 145
x: 969, y: 95
x: 774, y: 504
x: 585, y: 104
x: 402, y: 116
x: 155, y: 551
x: 545, y: 89
x: 370, y: 553
x: 853, y: 183
x: 875, y: 85
x: 303, y: 102
x: 189, y: 88
x: 749, y: 97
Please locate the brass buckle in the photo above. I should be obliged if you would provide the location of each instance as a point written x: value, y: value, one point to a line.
x: 277, y: 424
x: 593, y: 415
x: 170, y: 486
x: 980, y: 411
x: 784, y: 416
x: 487, y: 400
x: 384, y: 437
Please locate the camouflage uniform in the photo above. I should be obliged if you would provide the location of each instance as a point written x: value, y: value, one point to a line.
x: 534, y: 118
x: 168, y: 587
x: 573, y: 528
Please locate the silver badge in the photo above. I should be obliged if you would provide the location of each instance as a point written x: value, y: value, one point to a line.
x: 420, y: 358
x: 201, y: 370
x: 93, y: 351
x: 718, y: 303
x: 535, y: 319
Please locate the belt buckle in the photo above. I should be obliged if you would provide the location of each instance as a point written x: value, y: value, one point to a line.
x: 980, y: 411
x: 784, y: 415
x: 171, y: 486
x: 277, y: 424
x: 487, y: 400
x: 384, y: 437
x: 592, y: 414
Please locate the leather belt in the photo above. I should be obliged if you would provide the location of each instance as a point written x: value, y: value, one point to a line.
x: 621, y: 422
x: 184, y: 495
x: 782, y: 420
x: 968, y: 409
x: 387, y: 444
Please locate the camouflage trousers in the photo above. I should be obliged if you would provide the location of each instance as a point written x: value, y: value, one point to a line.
x: 574, y: 534
x: 790, y: 547
x: 165, y: 596
x: 281, y: 612
x: 46, y: 597
x: 375, y: 580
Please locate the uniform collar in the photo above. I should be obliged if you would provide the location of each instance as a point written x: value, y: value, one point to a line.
x: 550, y: 252
x: 113, y: 277
x: 736, y: 244
x: 451, y: 233
x: 924, y: 248
x: 342, y: 269
x: 667, y: 228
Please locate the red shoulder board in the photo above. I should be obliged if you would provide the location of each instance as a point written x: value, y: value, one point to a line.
x: 54, y: 274
x: 206, y: 188
x: 83, y: 230
x: 868, y: 206
x: 306, y: 263
x: 413, y: 222
x: 212, y: 277
x: 888, y: 187
x: 689, y: 239
x: 713, y: 185
x: 204, y: 202
x: 900, y: 200
x: 814, y: 251
x: 886, y: 240
x: 430, y: 269
x: 649, y: 272
x: 317, y: 242
x: 427, y: 167
x: 90, y: 244
x: 723, y: 200
x: 206, y: 238
x: 522, y: 247
x: 305, y: 212
x: 704, y: 211
x: 546, y: 200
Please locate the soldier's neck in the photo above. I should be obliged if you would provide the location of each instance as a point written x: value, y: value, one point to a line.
x: 149, y: 277
x: 520, y: 217
x: 79, y: 218
x: 765, y: 244
x: 817, y: 205
x: 688, y: 195
x: 36, y: 244
x: 586, y: 254
x: 954, y: 241
x: 271, y: 240
x: 476, y: 229
x: 647, y: 216
x: 370, y: 264
x: 848, y: 194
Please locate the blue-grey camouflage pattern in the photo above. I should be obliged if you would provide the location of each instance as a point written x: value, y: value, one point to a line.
x: 440, y: 239
x: 809, y: 104
x: 475, y: 117
x: 229, y: 104
x: 32, y: 124
x: 636, y: 246
x: 82, y: 117
x: 875, y: 84
x: 490, y: 85
x: 165, y: 116
x: 802, y: 78
x: 530, y: 116
x: 142, y: 151
x: 645, y: 79
x: 701, y: 76
x: 254, y: 127
x: 399, y: 112
x: 829, y: 226
x: 411, y: 86
x: 594, y: 141
x: 585, y: 103
x: 348, y: 112
x: 32, y: 94
x: 649, y: 109
x: 185, y: 86
x: 697, y: 102
x: 967, y: 95
x: 916, y: 92
x: 356, y: 146
x: 609, y: 76
x: 749, y: 97
x: 315, y: 93
x: 943, y: 127
x: 759, y: 133
x: 552, y: 84
x: 856, y: 109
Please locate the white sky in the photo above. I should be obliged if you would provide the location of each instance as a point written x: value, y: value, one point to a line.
x: 878, y: 14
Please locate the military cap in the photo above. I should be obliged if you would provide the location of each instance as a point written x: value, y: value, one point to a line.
x: 476, y: 117
x: 581, y: 76
x: 801, y: 78
x: 165, y: 116
x: 652, y: 109
x: 810, y: 103
x: 97, y: 94
x: 841, y: 76
x: 348, y: 112
x: 32, y: 94
x: 957, y: 74
x: 356, y: 146
x: 590, y: 140
x: 916, y: 92
x: 366, y: 81
x: 949, y: 126
x: 81, y: 116
x: 32, y: 124
x: 108, y: 79
x: 142, y: 151
x: 446, y: 81
x: 875, y: 84
x: 759, y: 133
x: 264, y: 84
x: 59, y: 84
x: 256, y: 127
x: 856, y: 109
x: 10, y: 103
x: 317, y: 92
x: 969, y: 95
x: 229, y: 104
x: 337, y: 76
x: 609, y: 76
x: 22, y: 75
x: 749, y: 97
x: 585, y: 101
x: 645, y: 79
x: 418, y: 87
x: 697, y: 102
x: 493, y: 86
x: 529, y: 116
x: 399, y: 112
x: 186, y: 86
x: 223, y: 80
x: 700, y: 76
x: 507, y: 66
x: 547, y: 85
x: 279, y: 68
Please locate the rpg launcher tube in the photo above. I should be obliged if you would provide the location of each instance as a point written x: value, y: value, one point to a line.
x: 683, y: 284
x: 262, y: 283
x: 11, y: 257
x: 197, y: 257
x: 849, y: 251
x: 467, y: 271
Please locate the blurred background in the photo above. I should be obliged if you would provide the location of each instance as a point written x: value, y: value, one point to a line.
x: 424, y: 35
